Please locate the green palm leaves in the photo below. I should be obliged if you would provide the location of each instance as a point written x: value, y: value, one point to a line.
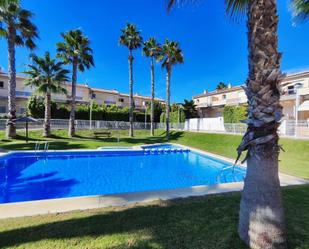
x: 171, y: 54
x: 152, y: 49
x: 46, y: 74
x: 75, y: 48
x: 16, y: 24
x: 301, y: 8
x: 131, y: 37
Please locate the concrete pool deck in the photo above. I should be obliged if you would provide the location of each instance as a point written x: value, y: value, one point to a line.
x: 40, y: 207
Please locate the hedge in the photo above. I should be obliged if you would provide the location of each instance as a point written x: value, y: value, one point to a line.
x: 36, y: 108
x: 234, y: 114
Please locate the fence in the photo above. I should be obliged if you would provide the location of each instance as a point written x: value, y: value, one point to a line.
x: 287, y: 128
x: 80, y: 124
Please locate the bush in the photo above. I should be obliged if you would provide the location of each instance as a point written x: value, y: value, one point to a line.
x: 234, y: 114
x: 174, y: 117
x: 36, y: 107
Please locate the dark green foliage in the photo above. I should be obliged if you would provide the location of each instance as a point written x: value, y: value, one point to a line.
x: 36, y: 109
x: 175, y: 117
x: 221, y: 86
x: 189, y: 108
x: 234, y: 114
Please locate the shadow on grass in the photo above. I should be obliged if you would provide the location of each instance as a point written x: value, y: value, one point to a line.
x: 209, y: 222
x: 54, y: 145
x: 201, y: 223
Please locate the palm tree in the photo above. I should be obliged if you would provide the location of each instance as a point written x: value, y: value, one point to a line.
x: 131, y: 38
x: 16, y: 27
x: 153, y: 50
x: 46, y: 75
x: 75, y: 50
x: 189, y: 108
x: 172, y: 55
x: 221, y: 86
x: 261, y: 216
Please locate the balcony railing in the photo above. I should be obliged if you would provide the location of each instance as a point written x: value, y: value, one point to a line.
x: 108, y: 102
x: 23, y: 94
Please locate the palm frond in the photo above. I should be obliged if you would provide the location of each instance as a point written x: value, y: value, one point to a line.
x: 235, y: 7
x: 300, y: 9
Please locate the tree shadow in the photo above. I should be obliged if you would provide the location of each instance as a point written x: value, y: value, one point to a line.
x: 170, y: 224
x: 16, y: 186
x: 53, y: 145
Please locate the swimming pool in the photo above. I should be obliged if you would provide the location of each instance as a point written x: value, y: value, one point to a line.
x: 26, y: 176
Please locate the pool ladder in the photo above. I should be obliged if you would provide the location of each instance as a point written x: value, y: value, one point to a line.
x: 38, y: 145
x: 224, y: 170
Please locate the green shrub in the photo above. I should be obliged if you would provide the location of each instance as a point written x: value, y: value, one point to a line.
x: 234, y: 114
x: 174, y: 117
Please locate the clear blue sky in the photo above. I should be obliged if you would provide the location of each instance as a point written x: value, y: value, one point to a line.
x: 214, y: 46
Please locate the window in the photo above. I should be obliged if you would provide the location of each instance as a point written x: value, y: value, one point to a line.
x: 121, y: 100
x: 291, y: 90
x: 93, y: 96
x: 22, y: 110
x: 3, y: 109
x: 224, y: 96
x: 1, y: 84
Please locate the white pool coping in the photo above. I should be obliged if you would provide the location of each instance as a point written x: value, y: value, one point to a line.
x: 41, y: 207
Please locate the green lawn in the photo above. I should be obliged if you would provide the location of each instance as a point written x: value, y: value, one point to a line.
x: 197, y: 223
x: 294, y: 160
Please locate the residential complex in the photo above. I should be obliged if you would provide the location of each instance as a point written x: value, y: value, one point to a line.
x: 294, y: 99
x: 84, y: 95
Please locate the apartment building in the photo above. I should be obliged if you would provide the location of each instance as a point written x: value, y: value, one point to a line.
x: 84, y: 95
x: 294, y: 99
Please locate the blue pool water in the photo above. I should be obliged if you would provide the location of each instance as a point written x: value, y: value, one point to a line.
x: 26, y: 177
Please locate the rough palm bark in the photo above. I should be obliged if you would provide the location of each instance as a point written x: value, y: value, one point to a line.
x: 152, y: 97
x: 72, y: 129
x: 131, y: 100
x: 47, y: 116
x: 168, y: 96
x: 261, y: 223
x: 10, y: 127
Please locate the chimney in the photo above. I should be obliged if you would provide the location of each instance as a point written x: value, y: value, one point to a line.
x: 205, y: 91
x: 229, y: 86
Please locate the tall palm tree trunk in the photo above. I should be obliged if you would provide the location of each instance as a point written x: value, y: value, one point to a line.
x: 168, y: 96
x: 73, y: 101
x: 131, y: 100
x: 10, y: 127
x: 261, y: 223
x: 47, y: 115
x: 152, y: 98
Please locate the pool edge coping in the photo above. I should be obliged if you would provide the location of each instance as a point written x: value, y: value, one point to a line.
x: 61, y: 205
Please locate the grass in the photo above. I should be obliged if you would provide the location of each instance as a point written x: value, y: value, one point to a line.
x: 197, y: 223
x: 293, y: 161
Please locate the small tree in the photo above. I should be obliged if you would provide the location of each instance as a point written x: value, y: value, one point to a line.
x: 46, y: 75
x: 221, y: 86
x: 189, y: 108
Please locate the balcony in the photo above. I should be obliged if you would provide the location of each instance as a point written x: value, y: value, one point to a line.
x: 108, y: 102
x: 23, y: 94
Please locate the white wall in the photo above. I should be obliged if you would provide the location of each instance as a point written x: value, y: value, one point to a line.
x: 205, y: 124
